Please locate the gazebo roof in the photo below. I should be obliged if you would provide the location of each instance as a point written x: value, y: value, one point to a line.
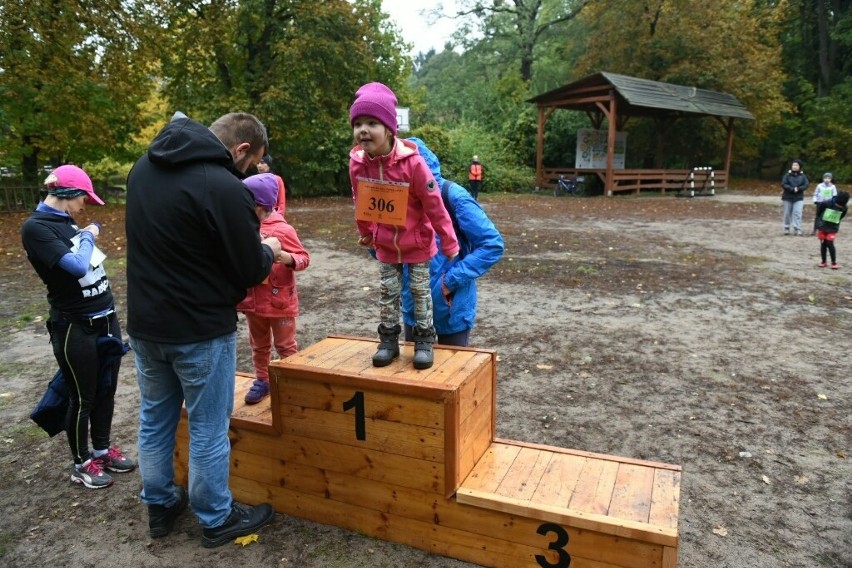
x: 642, y: 97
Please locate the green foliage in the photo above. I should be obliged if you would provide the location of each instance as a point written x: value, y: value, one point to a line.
x: 455, y: 147
x: 296, y: 64
x: 70, y: 78
x: 730, y: 46
x: 108, y: 172
x: 830, y: 120
x: 93, y: 86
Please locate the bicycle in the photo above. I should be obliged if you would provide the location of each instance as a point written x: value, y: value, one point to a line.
x: 569, y: 185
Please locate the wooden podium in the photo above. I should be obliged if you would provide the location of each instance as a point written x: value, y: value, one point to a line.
x: 410, y: 456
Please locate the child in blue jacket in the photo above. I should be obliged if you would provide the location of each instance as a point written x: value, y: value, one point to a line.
x: 453, y: 282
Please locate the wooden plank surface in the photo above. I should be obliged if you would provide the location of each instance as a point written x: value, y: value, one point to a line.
x: 524, y: 475
x: 364, y: 463
x: 666, y: 499
x: 561, y: 475
x: 631, y: 497
x: 492, y: 468
x: 353, y: 357
x: 444, y: 525
x: 475, y: 436
x: 594, y: 489
x: 378, y: 405
x: 392, y: 437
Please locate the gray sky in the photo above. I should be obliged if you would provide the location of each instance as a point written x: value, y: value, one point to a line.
x: 407, y: 15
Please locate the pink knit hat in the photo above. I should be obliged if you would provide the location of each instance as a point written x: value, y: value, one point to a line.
x: 376, y: 100
x: 72, y: 177
x: 264, y: 189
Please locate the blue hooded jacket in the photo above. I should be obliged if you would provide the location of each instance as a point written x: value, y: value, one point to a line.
x: 481, y: 247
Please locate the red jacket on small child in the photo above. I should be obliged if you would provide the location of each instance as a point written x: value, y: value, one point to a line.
x: 277, y: 297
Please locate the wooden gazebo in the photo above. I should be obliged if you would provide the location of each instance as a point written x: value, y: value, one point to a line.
x: 616, y: 98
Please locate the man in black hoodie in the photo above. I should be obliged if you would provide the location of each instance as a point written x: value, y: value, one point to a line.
x: 193, y: 249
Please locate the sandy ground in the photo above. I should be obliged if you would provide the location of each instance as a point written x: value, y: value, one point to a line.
x: 687, y: 331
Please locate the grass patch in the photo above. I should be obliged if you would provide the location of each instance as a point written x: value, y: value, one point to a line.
x: 588, y: 270
x: 5, y: 540
x: 25, y: 316
x: 24, y: 434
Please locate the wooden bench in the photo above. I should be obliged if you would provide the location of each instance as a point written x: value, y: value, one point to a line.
x: 410, y: 456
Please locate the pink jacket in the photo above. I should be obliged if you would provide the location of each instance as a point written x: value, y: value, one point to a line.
x: 416, y: 241
x: 276, y: 297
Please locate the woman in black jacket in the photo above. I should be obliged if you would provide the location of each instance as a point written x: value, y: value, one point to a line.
x: 794, y: 183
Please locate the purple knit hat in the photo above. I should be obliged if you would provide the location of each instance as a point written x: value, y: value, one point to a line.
x: 376, y: 100
x: 264, y: 189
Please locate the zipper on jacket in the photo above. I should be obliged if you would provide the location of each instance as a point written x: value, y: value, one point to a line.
x: 395, y: 229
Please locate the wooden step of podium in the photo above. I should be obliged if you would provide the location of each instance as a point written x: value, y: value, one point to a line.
x: 409, y: 456
x: 609, y: 495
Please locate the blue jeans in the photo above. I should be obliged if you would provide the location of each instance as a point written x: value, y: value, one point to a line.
x: 202, y: 374
x: 793, y: 215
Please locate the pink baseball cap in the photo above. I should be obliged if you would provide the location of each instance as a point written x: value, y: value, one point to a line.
x: 72, y: 177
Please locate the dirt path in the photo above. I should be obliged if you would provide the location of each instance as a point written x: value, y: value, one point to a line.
x: 682, y: 331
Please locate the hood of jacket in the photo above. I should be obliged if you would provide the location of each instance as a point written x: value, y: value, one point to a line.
x: 402, y: 150
x: 430, y: 158
x: 184, y: 140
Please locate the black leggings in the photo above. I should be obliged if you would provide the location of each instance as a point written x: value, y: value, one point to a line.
x: 827, y: 245
x: 75, y: 349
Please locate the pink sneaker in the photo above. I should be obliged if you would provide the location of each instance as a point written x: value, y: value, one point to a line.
x: 822, y: 264
x: 91, y: 475
x: 834, y: 266
x: 115, y: 460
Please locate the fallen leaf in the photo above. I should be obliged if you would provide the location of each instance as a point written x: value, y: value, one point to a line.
x: 812, y: 298
x: 841, y: 454
x: 543, y: 366
x: 721, y: 531
x: 246, y: 540
x: 766, y: 480
x: 822, y: 396
x: 801, y: 479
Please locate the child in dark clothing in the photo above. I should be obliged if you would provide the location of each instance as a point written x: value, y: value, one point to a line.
x: 829, y: 214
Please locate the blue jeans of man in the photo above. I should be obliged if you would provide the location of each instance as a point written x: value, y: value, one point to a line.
x: 203, y: 375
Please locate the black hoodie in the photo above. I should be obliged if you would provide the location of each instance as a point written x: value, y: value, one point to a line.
x: 193, y: 238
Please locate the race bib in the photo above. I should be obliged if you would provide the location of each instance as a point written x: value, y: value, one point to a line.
x: 831, y: 216
x: 382, y: 202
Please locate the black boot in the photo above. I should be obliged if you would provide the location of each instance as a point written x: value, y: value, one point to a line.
x: 388, y: 346
x: 423, y: 348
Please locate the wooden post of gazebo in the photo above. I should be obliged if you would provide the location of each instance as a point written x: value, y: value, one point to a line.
x: 729, y: 150
x: 612, y: 121
x: 539, y: 149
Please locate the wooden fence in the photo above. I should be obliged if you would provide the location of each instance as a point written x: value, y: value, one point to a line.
x: 16, y: 198
x: 636, y: 180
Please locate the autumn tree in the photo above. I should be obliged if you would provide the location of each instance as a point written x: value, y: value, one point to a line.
x: 294, y: 63
x: 513, y: 28
x: 729, y: 45
x: 71, y: 76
